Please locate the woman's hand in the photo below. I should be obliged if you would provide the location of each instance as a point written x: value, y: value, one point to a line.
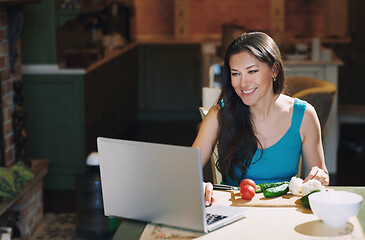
x: 208, y: 193
x: 318, y: 174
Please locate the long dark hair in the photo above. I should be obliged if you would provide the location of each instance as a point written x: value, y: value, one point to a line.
x: 237, y: 142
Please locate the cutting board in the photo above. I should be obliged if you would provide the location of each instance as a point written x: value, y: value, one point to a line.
x: 259, y: 200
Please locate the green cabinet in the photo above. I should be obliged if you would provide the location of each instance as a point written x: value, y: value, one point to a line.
x: 67, y: 111
x: 55, y: 125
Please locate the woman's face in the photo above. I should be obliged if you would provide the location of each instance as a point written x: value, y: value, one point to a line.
x: 251, y: 79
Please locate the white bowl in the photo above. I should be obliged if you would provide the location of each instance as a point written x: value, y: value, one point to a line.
x: 335, y: 207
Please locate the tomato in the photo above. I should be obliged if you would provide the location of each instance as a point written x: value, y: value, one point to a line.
x: 249, y: 182
x: 247, y: 189
x: 247, y: 192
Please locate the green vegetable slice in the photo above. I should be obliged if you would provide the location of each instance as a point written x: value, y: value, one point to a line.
x: 276, y: 191
x: 263, y: 186
x: 305, y: 201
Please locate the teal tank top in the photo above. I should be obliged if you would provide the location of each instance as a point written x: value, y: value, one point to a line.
x: 280, y: 161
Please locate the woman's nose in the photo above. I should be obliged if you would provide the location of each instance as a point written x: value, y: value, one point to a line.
x: 243, y: 81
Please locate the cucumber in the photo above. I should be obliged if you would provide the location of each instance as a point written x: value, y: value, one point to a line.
x: 276, y: 191
x: 263, y: 186
x: 305, y: 201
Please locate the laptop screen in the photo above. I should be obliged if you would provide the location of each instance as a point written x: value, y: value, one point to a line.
x: 152, y: 182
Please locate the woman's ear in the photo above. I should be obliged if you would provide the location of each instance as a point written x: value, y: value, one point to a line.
x: 275, y: 70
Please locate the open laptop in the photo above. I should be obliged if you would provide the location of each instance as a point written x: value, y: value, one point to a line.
x: 158, y: 183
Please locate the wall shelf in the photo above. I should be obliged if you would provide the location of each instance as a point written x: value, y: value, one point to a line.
x: 64, y: 15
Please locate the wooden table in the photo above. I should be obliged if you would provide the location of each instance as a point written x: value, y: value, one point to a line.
x: 278, y: 222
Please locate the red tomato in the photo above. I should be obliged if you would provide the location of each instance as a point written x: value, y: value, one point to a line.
x: 247, y: 192
x: 249, y: 182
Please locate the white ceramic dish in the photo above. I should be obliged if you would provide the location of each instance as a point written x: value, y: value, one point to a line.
x: 335, y: 207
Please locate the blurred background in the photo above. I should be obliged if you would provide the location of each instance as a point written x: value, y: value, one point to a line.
x: 136, y: 69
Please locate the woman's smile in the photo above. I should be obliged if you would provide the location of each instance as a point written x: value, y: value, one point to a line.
x: 247, y: 92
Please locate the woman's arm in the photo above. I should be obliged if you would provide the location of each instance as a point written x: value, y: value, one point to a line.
x: 207, y: 135
x: 312, y: 149
x: 206, y: 141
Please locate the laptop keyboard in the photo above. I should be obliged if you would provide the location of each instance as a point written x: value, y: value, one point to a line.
x: 212, y: 218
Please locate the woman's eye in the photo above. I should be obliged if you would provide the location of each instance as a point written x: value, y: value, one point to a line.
x: 253, y: 71
x: 235, y: 74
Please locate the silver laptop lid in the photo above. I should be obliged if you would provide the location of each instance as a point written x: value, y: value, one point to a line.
x: 152, y: 182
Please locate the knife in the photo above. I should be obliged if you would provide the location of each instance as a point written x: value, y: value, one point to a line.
x: 224, y: 187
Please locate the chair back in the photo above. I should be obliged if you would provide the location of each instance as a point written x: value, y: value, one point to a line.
x: 319, y: 93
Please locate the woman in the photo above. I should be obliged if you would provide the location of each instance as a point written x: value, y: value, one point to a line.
x: 260, y: 132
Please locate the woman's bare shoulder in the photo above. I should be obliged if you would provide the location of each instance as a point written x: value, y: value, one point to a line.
x: 214, y: 109
x: 286, y: 103
x: 211, y: 117
x: 310, y: 114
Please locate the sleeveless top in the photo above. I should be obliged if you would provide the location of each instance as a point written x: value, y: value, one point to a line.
x: 278, y: 162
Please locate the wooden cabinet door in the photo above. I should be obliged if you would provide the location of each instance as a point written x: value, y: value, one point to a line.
x: 169, y: 79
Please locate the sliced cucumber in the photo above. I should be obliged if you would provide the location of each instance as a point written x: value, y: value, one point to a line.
x: 264, y: 186
x: 276, y: 191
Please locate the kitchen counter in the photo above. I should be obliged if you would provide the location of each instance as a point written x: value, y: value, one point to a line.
x: 55, y: 69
